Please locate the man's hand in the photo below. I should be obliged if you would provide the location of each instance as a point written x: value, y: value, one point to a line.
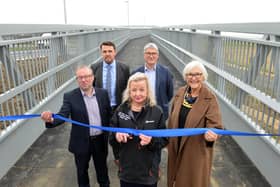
x: 47, y: 116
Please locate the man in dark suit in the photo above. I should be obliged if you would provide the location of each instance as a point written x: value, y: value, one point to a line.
x: 88, y: 105
x: 159, y: 76
x: 111, y: 74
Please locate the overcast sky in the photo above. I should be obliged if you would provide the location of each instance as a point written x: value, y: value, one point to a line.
x: 141, y: 12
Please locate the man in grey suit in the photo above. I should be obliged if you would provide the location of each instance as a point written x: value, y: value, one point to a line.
x: 111, y: 75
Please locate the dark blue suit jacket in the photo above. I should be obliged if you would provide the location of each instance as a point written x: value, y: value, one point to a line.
x: 164, y: 86
x: 74, y: 106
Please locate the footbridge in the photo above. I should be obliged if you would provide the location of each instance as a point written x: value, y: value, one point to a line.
x: 37, y: 66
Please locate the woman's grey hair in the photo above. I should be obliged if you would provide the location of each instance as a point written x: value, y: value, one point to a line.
x: 150, y: 45
x: 192, y: 65
x: 139, y: 77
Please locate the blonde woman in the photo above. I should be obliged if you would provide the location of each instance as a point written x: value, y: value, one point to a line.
x: 138, y: 163
x: 193, y: 106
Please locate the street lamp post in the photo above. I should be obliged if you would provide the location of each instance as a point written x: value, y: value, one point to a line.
x: 65, y: 12
x: 127, y: 2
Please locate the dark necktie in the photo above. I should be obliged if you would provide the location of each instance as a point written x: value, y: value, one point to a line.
x: 109, y: 80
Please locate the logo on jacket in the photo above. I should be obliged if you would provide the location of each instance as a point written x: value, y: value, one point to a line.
x: 149, y: 121
x: 123, y: 116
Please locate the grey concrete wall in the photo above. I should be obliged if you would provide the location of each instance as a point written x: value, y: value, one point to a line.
x: 258, y: 149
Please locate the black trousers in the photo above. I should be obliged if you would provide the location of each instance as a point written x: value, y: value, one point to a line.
x: 127, y: 184
x: 98, y: 151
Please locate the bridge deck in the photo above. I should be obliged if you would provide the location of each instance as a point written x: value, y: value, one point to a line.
x: 48, y: 163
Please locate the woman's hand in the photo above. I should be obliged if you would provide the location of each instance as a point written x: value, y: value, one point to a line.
x: 210, y: 136
x: 145, y: 140
x: 122, y: 137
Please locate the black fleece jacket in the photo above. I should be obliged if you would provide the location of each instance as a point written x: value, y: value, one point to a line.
x: 139, y: 164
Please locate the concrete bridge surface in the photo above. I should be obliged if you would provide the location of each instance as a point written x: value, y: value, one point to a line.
x: 48, y: 163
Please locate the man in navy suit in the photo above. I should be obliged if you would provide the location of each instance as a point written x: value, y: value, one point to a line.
x: 159, y: 76
x: 88, y: 105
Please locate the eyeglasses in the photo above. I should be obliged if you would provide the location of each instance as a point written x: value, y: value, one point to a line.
x: 83, y: 77
x: 151, y: 54
x: 195, y: 75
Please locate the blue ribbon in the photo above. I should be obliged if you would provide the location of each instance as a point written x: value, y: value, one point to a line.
x: 154, y: 133
x: 16, y: 117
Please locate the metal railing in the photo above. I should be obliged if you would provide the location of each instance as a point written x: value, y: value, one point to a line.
x: 33, y: 68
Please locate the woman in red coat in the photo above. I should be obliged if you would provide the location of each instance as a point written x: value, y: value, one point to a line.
x: 193, y: 106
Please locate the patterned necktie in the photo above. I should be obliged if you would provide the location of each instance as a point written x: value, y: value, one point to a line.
x: 109, y: 80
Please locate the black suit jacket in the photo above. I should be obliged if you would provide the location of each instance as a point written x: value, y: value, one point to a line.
x: 122, y: 73
x: 74, y: 106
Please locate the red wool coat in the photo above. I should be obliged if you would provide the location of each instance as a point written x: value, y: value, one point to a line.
x: 190, y: 164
